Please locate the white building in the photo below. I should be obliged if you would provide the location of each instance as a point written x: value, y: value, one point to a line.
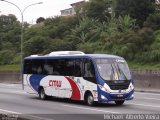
x: 72, y: 11
x: 66, y: 12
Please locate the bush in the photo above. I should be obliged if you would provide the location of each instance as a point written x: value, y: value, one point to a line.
x: 89, y: 47
x: 36, y: 45
x: 153, y: 21
x: 16, y: 59
x: 6, y: 57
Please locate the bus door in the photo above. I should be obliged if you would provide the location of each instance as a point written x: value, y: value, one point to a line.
x: 90, y: 77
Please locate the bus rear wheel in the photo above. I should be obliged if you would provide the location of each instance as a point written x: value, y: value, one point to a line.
x: 42, y: 94
x: 89, y: 100
x: 119, y: 102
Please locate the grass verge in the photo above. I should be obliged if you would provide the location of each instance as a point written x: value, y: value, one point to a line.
x: 10, y: 67
x: 144, y: 66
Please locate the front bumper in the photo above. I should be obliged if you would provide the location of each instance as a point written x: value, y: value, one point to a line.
x: 107, y: 97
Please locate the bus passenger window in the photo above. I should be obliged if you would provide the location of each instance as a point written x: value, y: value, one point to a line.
x: 78, y: 67
x: 55, y: 71
x: 59, y: 67
x: 69, y: 67
x: 37, y: 67
x: 48, y: 67
x: 27, y: 67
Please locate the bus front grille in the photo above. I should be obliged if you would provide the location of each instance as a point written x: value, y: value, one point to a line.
x: 118, y: 84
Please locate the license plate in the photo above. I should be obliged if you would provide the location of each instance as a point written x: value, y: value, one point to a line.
x: 119, y: 95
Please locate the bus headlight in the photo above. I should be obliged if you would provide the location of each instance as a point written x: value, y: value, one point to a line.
x: 131, y: 87
x: 132, y: 96
x: 103, y: 97
x: 104, y: 88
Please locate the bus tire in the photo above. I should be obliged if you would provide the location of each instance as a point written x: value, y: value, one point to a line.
x: 89, y: 100
x: 42, y: 94
x: 119, y: 102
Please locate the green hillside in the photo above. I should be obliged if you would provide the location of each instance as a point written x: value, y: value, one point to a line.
x: 128, y: 28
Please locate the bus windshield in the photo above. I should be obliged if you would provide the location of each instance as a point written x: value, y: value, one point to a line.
x: 113, y: 69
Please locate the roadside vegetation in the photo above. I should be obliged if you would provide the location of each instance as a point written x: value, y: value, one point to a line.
x: 10, y: 67
x: 128, y: 28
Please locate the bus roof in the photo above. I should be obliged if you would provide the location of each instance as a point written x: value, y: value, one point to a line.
x: 74, y: 56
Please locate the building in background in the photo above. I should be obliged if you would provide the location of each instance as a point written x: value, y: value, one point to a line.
x: 72, y: 11
x: 66, y: 12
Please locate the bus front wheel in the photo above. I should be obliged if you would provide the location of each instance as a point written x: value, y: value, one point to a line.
x: 42, y: 94
x: 89, y: 99
x: 119, y: 102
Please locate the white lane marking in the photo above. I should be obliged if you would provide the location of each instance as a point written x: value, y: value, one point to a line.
x: 8, y: 111
x: 145, y: 105
x: 152, y: 98
x: 91, y: 109
x: 147, y: 93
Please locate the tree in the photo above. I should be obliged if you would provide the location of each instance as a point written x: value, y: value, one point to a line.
x: 60, y: 27
x: 6, y: 57
x: 36, y: 45
x: 136, y: 9
x: 153, y: 21
x: 9, y: 38
x: 85, y: 31
x: 126, y: 23
x: 40, y: 20
x: 8, y: 22
x: 98, y: 9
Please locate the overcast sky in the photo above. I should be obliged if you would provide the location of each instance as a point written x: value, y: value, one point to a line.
x: 49, y: 8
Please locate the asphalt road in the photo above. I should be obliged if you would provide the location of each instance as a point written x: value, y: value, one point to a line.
x: 15, y: 101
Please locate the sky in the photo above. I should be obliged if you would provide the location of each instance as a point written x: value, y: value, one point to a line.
x: 49, y: 8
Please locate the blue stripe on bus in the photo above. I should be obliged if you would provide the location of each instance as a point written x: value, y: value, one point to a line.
x: 35, y: 81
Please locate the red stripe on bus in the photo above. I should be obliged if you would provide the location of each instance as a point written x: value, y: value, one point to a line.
x: 75, y: 90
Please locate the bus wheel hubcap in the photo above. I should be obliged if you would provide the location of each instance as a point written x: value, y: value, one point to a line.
x: 90, y: 100
x: 42, y: 94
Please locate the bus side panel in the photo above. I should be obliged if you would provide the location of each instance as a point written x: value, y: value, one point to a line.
x: 68, y: 87
x: 31, y: 83
x: 57, y: 86
x: 60, y: 86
